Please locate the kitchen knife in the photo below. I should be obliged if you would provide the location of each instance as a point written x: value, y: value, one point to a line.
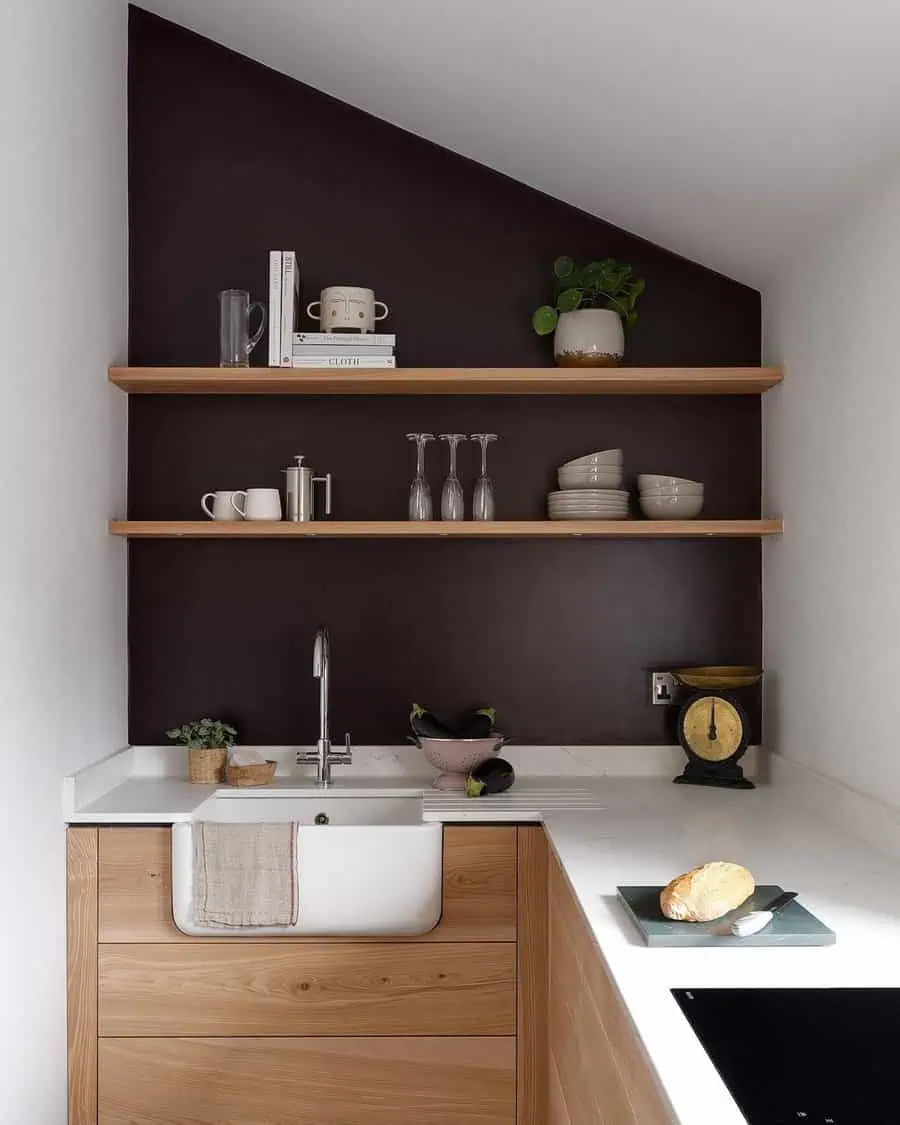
x: 756, y: 920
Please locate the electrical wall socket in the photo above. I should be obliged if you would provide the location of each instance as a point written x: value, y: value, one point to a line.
x: 662, y: 688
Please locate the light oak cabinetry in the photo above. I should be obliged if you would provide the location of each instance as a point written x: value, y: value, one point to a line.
x: 135, y: 890
x: 427, y: 1081
x: 598, y: 1074
x: 291, y: 989
x: 81, y: 967
x: 503, y: 1015
x: 175, y: 1030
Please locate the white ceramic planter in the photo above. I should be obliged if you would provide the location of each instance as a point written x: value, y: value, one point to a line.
x: 589, y: 338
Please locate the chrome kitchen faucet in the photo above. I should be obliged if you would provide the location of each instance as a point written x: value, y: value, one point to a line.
x: 323, y: 756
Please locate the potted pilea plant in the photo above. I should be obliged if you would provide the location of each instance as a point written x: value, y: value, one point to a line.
x: 208, y: 742
x: 593, y: 306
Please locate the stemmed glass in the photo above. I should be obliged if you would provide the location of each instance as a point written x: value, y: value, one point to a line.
x: 452, y: 500
x: 420, y: 493
x: 483, y: 496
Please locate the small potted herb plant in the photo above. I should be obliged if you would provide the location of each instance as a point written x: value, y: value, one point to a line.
x: 592, y: 308
x: 208, y: 742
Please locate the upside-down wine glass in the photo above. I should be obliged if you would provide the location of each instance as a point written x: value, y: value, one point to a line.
x: 453, y: 505
x: 483, y: 496
x: 420, y: 493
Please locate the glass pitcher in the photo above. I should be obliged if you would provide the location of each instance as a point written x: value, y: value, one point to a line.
x: 235, y: 341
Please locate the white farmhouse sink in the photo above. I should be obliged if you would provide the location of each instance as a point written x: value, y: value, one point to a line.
x: 303, y: 809
x: 374, y: 869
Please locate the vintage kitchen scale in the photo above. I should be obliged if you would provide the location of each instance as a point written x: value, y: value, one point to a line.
x: 713, y: 728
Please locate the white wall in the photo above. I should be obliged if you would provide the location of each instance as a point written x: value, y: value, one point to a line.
x: 63, y: 301
x: 832, y: 585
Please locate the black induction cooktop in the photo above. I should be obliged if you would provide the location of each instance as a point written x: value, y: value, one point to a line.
x: 803, y: 1056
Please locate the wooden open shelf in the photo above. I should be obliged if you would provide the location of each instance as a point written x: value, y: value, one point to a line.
x: 402, y: 529
x: 448, y: 380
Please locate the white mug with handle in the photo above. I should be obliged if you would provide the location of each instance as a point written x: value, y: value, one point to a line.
x: 347, y: 307
x: 258, y: 504
x: 222, y: 507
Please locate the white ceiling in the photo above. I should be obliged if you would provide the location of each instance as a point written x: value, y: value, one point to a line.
x: 727, y: 130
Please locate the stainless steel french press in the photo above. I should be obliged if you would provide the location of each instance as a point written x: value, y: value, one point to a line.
x: 299, y: 492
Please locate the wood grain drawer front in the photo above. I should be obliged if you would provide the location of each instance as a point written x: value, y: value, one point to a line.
x: 135, y: 897
x: 328, y: 989
x: 424, y: 1081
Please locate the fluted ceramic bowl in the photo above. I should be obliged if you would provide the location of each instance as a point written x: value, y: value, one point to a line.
x: 652, y: 482
x: 609, y: 457
x: 589, y: 476
x: 457, y: 757
x: 671, y: 507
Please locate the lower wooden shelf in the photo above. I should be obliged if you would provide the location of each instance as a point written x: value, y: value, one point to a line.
x: 437, y: 529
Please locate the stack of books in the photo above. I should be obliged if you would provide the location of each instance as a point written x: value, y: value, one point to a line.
x: 343, y: 349
x: 284, y: 305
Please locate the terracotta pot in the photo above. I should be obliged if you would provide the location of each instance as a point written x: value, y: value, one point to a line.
x: 589, y: 338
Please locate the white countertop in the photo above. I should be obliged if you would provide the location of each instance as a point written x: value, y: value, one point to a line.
x: 170, y: 800
x: 648, y: 832
x: 610, y: 831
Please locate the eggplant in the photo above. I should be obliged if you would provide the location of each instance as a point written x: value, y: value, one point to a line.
x: 425, y: 725
x: 480, y: 724
x: 493, y: 776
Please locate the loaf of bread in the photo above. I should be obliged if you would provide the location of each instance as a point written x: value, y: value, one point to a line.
x: 707, y: 892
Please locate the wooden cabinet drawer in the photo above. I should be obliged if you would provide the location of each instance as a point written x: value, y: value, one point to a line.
x: 303, y: 990
x: 423, y: 1081
x: 135, y: 893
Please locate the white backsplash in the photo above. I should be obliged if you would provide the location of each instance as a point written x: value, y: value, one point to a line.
x: 407, y: 761
x: 92, y: 782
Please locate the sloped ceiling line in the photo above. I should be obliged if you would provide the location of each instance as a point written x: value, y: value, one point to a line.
x: 727, y: 133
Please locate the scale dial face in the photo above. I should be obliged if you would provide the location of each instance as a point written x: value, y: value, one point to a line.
x: 712, y: 728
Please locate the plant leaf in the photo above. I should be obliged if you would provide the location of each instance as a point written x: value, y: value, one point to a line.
x: 563, y: 267
x: 569, y: 300
x: 604, y: 266
x: 544, y: 320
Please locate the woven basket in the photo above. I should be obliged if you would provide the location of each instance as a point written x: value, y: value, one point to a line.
x: 207, y: 765
x: 259, y: 774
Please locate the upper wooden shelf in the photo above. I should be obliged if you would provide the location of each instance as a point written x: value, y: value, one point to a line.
x: 437, y: 529
x: 447, y: 380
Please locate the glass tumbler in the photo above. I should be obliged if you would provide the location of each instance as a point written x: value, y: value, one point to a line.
x: 235, y: 341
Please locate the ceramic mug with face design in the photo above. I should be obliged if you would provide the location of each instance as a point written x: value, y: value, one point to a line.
x: 347, y: 308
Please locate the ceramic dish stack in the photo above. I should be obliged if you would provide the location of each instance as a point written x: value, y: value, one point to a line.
x: 588, y: 504
x: 670, y: 498
x: 590, y: 488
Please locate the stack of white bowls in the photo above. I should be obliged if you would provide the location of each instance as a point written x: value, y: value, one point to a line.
x: 670, y: 498
x: 589, y: 488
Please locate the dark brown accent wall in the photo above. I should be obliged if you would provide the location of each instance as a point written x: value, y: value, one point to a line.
x: 228, y: 159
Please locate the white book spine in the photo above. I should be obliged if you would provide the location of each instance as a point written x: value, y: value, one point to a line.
x: 274, y: 308
x: 290, y: 298
x: 346, y: 339
x: 330, y: 349
x: 382, y: 361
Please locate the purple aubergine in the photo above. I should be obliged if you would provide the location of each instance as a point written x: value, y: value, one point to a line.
x: 425, y: 725
x: 493, y: 776
x: 479, y: 725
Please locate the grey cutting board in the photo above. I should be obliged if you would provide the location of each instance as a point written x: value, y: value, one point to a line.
x: 793, y: 925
